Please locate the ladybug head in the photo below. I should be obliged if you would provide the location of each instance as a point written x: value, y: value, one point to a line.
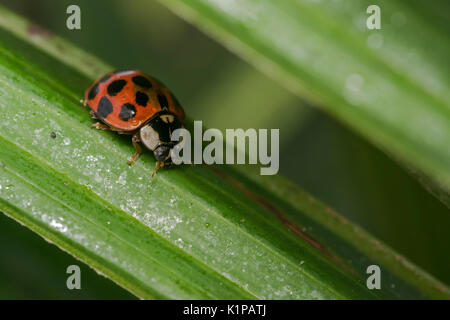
x: 156, y: 135
x: 162, y: 152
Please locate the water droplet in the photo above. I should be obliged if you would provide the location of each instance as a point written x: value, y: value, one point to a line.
x: 179, y: 242
x: 122, y: 178
x: 58, y: 226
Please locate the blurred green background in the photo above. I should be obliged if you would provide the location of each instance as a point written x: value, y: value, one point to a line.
x: 319, y: 154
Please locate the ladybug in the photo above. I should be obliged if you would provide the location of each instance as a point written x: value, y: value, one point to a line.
x: 132, y: 102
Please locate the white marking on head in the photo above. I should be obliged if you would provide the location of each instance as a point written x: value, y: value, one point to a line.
x: 149, y: 137
x: 167, y: 118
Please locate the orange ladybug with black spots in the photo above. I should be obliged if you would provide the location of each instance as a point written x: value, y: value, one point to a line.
x: 132, y: 102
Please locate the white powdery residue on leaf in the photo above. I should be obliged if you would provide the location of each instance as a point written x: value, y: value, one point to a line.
x: 122, y: 178
x: 66, y: 141
x: 54, y: 125
x: 161, y: 223
x: 58, y: 226
x: 37, y: 133
x: 36, y: 137
x: 25, y: 202
x: 19, y: 117
x: 79, y: 237
x: 316, y: 295
x: 7, y: 190
x: 91, y: 158
x: 78, y: 233
x: 211, y: 239
x: 133, y: 205
x: 287, y: 291
x: 35, y: 212
x: 179, y: 243
x: 99, y: 245
x: 99, y: 178
x: 56, y: 223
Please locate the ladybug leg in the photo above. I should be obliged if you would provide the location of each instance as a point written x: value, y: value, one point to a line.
x: 100, y: 126
x: 158, y: 164
x: 138, y: 148
x: 93, y: 116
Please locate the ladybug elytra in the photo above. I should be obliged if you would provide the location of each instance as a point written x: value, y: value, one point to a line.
x: 131, y: 102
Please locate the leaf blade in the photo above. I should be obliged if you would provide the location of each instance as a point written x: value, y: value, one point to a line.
x: 212, y: 260
x: 319, y: 53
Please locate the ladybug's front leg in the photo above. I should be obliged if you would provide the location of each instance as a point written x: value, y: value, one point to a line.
x: 138, y: 148
x: 100, y: 126
x: 93, y: 115
x: 158, y: 164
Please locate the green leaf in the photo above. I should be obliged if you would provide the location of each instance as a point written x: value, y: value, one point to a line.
x: 31, y: 268
x: 390, y: 85
x: 195, y: 232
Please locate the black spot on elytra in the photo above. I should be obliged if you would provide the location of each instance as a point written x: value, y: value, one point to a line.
x: 142, y: 81
x: 141, y: 98
x: 105, y: 107
x: 116, y: 86
x: 93, y: 92
x: 163, y: 101
x: 95, y: 89
x: 127, y: 111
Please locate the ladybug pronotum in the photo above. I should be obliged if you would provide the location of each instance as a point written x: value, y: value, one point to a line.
x: 131, y: 102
